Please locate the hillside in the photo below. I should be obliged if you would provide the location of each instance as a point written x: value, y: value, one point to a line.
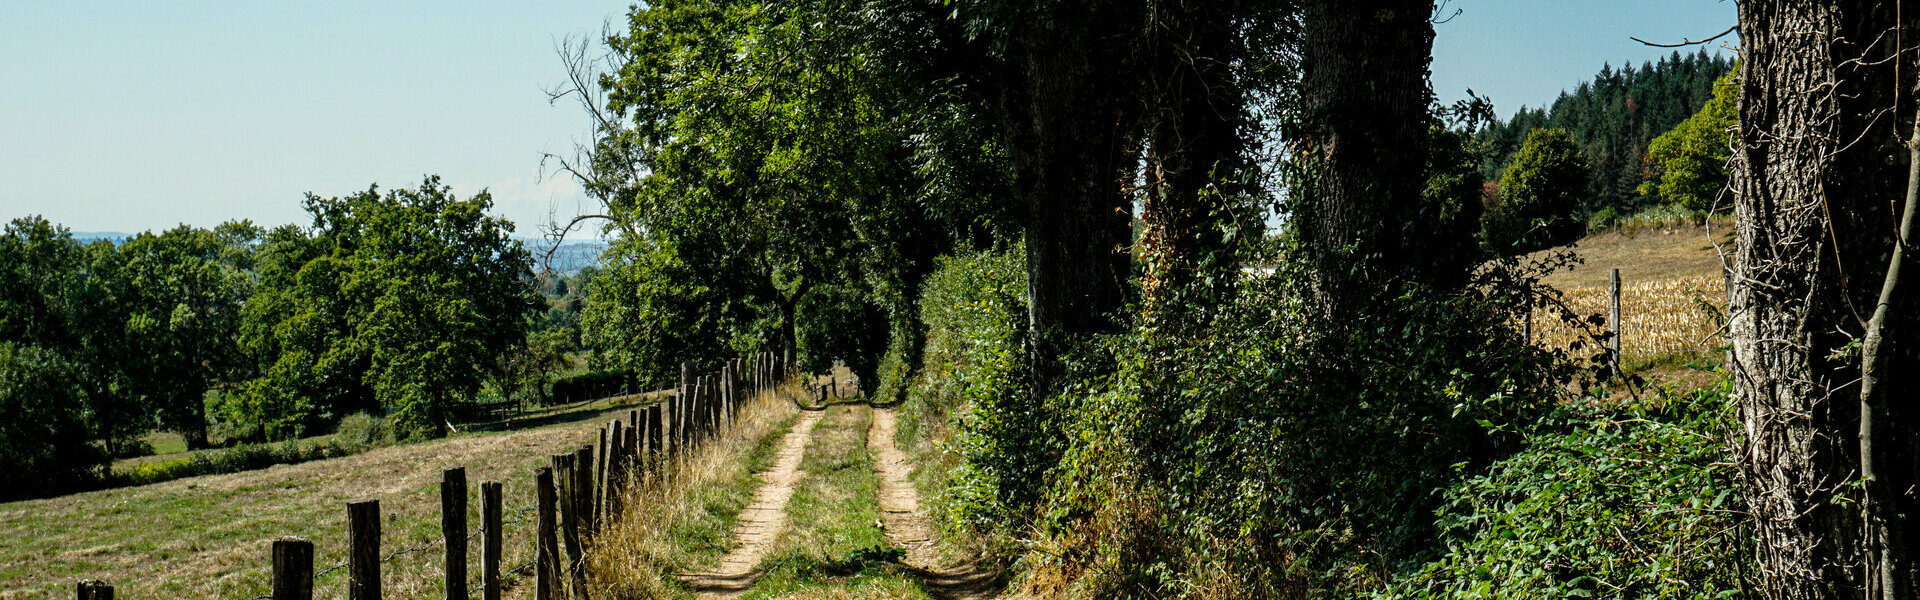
x: 1644, y: 255
x: 209, y: 537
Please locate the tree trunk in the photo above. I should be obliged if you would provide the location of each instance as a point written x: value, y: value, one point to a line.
x: 1197, y: 154
x: 1818, y: 164
x: 1069, y: 114
x: 1365, y: 138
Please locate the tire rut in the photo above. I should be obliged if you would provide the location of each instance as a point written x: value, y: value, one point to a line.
x: 909, y: 528
x: 760, y: 523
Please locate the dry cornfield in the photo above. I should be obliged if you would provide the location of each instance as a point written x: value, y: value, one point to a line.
x: 1658, y: 317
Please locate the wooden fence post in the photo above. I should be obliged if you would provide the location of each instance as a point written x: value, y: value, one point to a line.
x: 491, y: 541
x: 655, y: 427
x: 292, y: 569
x: 94, y: 589
x: 616, y: 478
x: 583, y: 480
x: 1613, y: 319
x: 363, y: 555
x: 546, y: 547
x: 453, y: 526
x: 599, y: 477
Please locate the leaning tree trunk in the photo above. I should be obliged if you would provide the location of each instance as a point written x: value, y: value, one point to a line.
x: 1817, y: 175
x: 1364, y: 139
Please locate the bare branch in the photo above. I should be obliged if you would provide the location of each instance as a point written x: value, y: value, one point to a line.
x: 1685, y: 42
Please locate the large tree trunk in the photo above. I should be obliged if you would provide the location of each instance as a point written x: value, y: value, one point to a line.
x: 1070, y: 114
x: 1817, y: 173
x: 1365, y: 140
x: 1197, y: 153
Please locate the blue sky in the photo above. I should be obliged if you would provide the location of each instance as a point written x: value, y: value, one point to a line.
x: 128, y: 116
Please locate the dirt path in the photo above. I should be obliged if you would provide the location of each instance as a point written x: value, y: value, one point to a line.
x: 761, y: 522
x: 910, y: 529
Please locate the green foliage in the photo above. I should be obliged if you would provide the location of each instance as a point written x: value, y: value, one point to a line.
x: 1613, y: 118
x: 244, y: 457
x: 183, y: 291
x: 361, y: 431
x: 45, y: 444
x: 1539, y: 204
x: 394, y: 304
x: 974, y: 306
x: 1275, y: 453
x: 1689, y: 163
x: 1633, y: 501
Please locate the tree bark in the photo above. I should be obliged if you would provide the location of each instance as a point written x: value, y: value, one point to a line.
x: 1818, y: 164
x: 1070, y: 118
x: 1365, y: 137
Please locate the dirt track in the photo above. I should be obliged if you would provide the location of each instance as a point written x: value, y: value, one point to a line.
x: 761, y: 522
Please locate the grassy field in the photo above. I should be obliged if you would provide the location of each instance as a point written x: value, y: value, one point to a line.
x: 209, y: 537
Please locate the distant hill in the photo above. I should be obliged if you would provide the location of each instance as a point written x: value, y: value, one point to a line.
x: 86, y: 237
x: 570, y: 257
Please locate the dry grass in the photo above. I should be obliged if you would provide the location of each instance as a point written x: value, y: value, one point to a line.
x: 685, y: 522
x: 209, y: 537
x: 1680, y: 315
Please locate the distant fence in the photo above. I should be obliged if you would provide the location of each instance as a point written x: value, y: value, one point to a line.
x: 578, y: 494
x: 1648, y: 318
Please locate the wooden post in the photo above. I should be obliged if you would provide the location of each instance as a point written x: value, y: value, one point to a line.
x: 655, y: 428
x: 546, y: 547
x: 1613, y: 319
x: 599, y: 476
x: 363, y: 554
x: 616, y: 478
x: 453, y: 525
x: 581, y: 467
x: 583, y: 478
x: 94, y: 589
x: 491, y: 542
x: 292, y: 569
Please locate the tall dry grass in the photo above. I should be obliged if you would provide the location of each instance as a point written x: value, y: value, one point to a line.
x: 669, y: 524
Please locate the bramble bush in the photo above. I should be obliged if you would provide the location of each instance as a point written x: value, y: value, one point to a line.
x: 1635, y: 500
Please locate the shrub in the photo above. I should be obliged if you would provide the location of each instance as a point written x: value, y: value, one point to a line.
x: 361, y: 431
x: 1633, y: 501
x: 1540, y: 195
x: 974, y: 308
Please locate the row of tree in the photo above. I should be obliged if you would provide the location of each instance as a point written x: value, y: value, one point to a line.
x: 395, y: 303
x: 789, y: 174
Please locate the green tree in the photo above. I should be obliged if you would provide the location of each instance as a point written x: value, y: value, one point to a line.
x: 1689, y: 163
x: 183, y: 291
x: 1539, y: 203
x: 45, y: 444
x: 394, y: 304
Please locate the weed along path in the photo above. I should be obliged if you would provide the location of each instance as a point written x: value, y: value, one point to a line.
x: 760, y: 523
x: 909, y: 529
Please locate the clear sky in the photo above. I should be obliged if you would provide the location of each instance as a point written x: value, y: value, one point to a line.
x: 128, y: 116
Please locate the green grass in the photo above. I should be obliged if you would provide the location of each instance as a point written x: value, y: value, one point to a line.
x: 209, y: 537
x: 835, y: 548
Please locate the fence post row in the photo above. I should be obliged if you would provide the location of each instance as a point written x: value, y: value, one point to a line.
x: 628, y: 452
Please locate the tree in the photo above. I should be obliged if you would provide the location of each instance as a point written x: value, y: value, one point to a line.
x: 1689, y: 163
x: 184, y: 290
x: 45, y: 444
x: 1363, y: 139
x: 1828, y: 462
x: 1539, y: 203
x: 394, y: 303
